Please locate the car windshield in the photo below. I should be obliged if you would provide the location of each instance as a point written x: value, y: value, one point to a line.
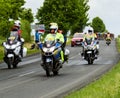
x: 78, y: 35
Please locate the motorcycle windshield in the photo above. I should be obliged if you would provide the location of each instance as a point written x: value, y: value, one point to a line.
x: 49, y: 41
x: 14, y: 33
x: 88, y: 41
x: 13, y: 37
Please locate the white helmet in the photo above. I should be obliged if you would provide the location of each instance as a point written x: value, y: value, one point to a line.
x: 17, y: 23
x: 90, y: 30
x: 54, y: 26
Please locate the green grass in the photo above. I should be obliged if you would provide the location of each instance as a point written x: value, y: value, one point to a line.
x: 29, y: 51
x: 118, y: 44
x: 2, y: 39
x: 68, y: 41
x: 108, y: 86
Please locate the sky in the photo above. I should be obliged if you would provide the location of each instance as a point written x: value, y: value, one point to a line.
x: 107, y: 10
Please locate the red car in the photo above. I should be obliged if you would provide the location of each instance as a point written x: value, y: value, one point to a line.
x: 77, y: 39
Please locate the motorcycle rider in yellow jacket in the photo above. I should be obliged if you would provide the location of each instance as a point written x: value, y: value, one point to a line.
x: 58, y: 37
x: 88, y: 35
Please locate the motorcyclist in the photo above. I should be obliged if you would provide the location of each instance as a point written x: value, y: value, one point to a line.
x: 37, y: 39
x: 16, y: 28
x: 64, y: 43
x: 108, y: 37
x: 88, y: 35
x: 64, y: 35
x: 58, y: 37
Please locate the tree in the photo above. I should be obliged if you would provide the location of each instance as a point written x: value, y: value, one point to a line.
x: 80, y: 15
x: 27, y: 14
x: 13, y: 9
x: 9, y: 9
x: 66, y: 13
x: 98, y: 25
x: 25, y: 26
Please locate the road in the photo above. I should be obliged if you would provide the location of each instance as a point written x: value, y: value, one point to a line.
x: 29, y: 79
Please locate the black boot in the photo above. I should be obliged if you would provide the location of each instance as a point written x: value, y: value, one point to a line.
x: 21, y: 51
x: 97, y: 52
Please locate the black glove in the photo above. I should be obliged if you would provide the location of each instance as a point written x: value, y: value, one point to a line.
x: 58, y: 40
x: 32, y: 46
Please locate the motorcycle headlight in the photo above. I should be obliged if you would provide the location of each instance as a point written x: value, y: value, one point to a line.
x: 45, y: 49
x: 7, y: 46
x: 52, y: 49
x: 48, y: 49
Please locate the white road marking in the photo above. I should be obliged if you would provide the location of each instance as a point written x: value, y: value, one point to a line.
x: 26, y: 74
x: 30, y: 61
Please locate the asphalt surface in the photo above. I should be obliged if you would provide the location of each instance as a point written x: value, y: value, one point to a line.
x: 30, y: 81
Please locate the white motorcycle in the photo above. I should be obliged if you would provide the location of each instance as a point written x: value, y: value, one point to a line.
x: 90, y: 51
x: 12, y: 51
x: 51, y: 56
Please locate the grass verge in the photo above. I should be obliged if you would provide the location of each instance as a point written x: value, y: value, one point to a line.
x: 108, y: 86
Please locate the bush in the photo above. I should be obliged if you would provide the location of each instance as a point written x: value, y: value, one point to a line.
x: 26, y: 30
x: 118, y: 36
x: 5, y: 27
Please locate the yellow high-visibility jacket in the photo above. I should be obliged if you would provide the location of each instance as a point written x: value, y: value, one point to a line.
x: 56, y: 36
x: 88, y: 36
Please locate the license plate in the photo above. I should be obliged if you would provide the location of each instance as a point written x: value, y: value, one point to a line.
x: 89, y: 52
x: 48, y: 60
x: 78, y: 43
x: 10, y: 55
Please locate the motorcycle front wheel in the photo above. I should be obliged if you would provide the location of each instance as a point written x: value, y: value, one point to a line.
x: 9, y: 63
x: 47, y: 72
x: 90, y: 60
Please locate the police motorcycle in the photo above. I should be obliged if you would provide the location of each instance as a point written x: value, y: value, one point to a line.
x: 90, y: 50
x: 50, y: 55
x: 12, y: 48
